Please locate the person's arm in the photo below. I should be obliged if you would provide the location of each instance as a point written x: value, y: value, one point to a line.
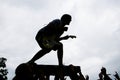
x: 67, y: 37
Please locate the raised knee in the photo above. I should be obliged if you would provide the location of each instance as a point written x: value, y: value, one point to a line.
x: 58, y: 46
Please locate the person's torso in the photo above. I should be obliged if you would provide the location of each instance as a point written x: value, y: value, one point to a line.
x: 52, y: 31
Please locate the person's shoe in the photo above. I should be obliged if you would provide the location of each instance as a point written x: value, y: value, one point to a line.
x: 30, y: 62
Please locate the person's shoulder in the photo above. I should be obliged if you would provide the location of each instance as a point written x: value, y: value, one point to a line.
x: 56, y: 21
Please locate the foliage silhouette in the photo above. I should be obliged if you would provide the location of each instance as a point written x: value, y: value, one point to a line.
x: 3, y: 70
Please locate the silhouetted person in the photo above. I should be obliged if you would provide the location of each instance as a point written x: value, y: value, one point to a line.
x: 73, y: 74
x: 24, y: 72
x: 103, y: 74
x: 86, y: 77
x: 27, y: 71
x: 116, y: 76
x: 49, y: 38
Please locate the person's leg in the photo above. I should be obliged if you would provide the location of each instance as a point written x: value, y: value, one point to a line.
x: 60, y: 53
x: 39, y: 55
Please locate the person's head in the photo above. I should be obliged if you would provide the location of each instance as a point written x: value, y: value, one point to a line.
x: 103, y: 70
x: 66, y: 18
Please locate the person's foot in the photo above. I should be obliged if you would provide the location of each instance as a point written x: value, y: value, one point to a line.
x: 61, y: 65
x: 30, y: 62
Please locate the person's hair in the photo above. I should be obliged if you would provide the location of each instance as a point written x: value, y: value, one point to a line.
x: 66, y: 17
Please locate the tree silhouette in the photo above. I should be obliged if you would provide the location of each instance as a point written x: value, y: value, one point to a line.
x: 3, y: 70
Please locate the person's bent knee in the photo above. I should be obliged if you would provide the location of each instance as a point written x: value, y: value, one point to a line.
x: 58, y: 46
x: 46, y: 50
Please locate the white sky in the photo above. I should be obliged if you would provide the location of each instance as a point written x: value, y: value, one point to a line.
x: 96, y: 23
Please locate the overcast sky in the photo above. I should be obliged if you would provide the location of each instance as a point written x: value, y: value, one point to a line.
x: 96, y: 23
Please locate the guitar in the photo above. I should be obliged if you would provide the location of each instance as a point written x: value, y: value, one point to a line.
x: 50, y: 41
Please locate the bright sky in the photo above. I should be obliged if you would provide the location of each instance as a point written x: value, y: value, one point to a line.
x: 96, y: 23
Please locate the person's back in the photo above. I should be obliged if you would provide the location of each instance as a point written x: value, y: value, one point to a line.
x: 52, y: 29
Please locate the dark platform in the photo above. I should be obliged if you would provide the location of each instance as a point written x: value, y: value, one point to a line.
x: 26, y: 71
x: 54, y: 69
